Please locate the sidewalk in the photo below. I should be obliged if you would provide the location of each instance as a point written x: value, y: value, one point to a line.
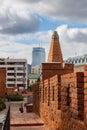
x: 24, y: 121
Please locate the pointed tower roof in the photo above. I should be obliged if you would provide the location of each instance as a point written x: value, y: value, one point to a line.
x: 55, y: 54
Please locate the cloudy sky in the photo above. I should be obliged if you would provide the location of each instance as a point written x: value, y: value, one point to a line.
x: 25, y: 24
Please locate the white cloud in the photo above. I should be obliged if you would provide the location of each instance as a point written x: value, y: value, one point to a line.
x: 70, y: 39
x: 58, y: 9
x: 19, y: 16
x: 73, y: 40
x: 11, y: 46
x: 13, y: 22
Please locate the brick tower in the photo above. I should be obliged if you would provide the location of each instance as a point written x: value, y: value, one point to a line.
x: 55, y: 54
x: 55, y: 64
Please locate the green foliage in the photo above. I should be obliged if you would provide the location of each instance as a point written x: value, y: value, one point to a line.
x: 2, y: 105
x: 14, y: 97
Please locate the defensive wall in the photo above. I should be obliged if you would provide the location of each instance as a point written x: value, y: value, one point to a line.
x: 61, y: 101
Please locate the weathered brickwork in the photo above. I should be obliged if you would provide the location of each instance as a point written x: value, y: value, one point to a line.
x: 2, y: 81
x: 49, y: 102
x: 55, y: 54
x: 51, y: 69
x: 72, y: 101
x: 61, y: 101
x: 36, y: 99
x: 61, y: 98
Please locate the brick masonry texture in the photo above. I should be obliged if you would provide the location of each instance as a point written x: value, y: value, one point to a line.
x: 2, y: 81
x: 51, y: 69
x: 60, y: 99
x: 55, y: 54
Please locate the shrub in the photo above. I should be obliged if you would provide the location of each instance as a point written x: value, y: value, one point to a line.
x: 14, y: 97
x: 2, y: 105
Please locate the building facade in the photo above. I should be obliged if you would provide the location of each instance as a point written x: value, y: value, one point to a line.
x: 36, y: 69
x: 38, y: 56
x: 34, y: 78
x: 16, y: 72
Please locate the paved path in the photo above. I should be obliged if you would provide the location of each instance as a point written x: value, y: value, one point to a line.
x: 24, y: 121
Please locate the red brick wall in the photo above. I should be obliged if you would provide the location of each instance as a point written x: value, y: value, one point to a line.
x: 62, y: 101
x: 72, y: 101
x: 2, y: 81
x: 49, y: 102
x: 85, y: 97
x: 51, y: 69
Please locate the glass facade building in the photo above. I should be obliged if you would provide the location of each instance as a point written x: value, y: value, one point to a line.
x: 38, y: 56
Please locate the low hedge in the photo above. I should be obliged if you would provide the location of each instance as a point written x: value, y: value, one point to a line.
x: 2, y: 105
x: 14, y: 97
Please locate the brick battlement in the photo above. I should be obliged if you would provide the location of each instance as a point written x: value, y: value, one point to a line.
x: 61, y: 98
x: 63, y: 101
x: 51, y: 69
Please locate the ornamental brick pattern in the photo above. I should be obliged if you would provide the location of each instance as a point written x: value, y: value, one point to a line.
x: 2, y: 81
x: 55, y: 54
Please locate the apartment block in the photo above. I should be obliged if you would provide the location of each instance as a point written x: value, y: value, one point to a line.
x: 16, y: 72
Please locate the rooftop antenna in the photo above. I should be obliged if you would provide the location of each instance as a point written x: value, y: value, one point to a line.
x: 40, y: 44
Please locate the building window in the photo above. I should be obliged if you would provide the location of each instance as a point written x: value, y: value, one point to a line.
x: 11, y: 79
x: 10, y: 85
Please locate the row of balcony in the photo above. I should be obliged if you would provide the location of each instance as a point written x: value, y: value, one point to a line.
x: 15, y: 82
x: 16, y: 71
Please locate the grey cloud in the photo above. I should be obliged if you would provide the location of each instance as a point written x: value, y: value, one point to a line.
x: 75, y: 10
x: 30, y: 1
x: 67, y: 9
x: 80, y: 37
x: 15, y: 24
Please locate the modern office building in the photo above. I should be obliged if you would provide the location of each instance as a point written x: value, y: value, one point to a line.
x: 16, y: 72
x: 38, y: 56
